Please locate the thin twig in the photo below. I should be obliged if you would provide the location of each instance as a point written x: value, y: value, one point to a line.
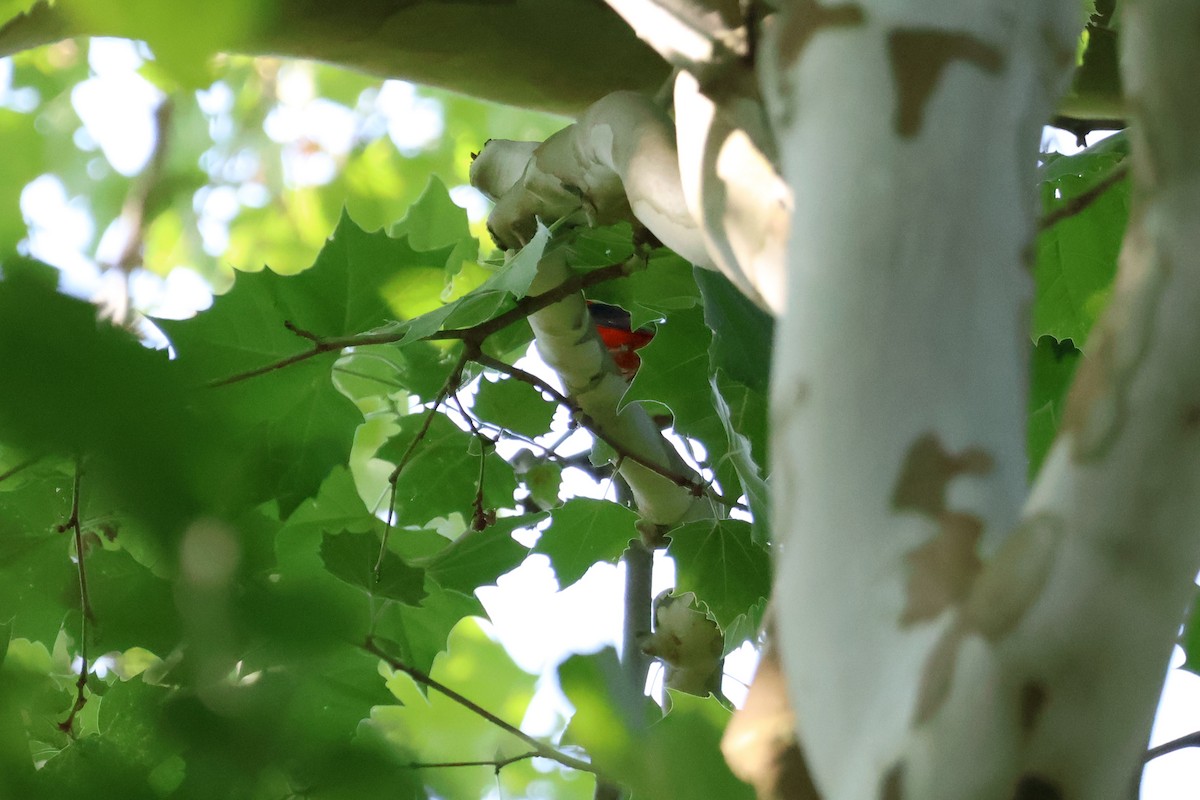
x: 448, y: 387
x: 24, y: 465
x: 496, y: 764
x: 697, y: 488
x: 1077, y: 204
x: 540, y: 748
x: 473, y: 335
x: 480, y: 518
x: 73, y: 524
x: 1188, y: 740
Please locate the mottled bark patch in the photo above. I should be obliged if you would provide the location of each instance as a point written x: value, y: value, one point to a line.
x: 928, y: 469
x: 892, y: 787
x: 1012, y: 582
x: 1033, y: 700
x: 942, y: 569
x: 919, y: 57
x: 1097, y: 403
x: 1036, y: 787
x: 938, y: 672
x: 802, y: 21
x: 759, y: 743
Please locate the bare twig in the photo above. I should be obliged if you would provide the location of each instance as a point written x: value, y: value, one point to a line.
x: 448, y: 387
x: 497, y: 764
x: 473, y: 335
x: 480, y: 518
x: 697, y: 488
x: 24, y: 465
x: 1188, y: 740
x: 73, y: 524
x: 1077, y: 204
x: 541, y: 749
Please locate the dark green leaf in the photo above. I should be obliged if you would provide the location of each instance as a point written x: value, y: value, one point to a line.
x: 352, y: 558
x: 442, y: 477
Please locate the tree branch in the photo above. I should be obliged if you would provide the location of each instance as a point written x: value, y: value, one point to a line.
x: 697, y: 488
x: 476, y: 334
x: 448, y: 387
x: 1077, y: 204
x: 72, y: 524
x: 497, y: 764
x: 541, y: 749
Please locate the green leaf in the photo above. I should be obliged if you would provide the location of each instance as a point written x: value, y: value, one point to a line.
x: 442, y: 475
x: 419, y: 633
x: 743, y: 334
x: 743, y: 415
x: 582, y: 532
x: 514, y: 405
x: 478, y: 558
x: 677, y: 757
x: 434, y: 728
x: 718, y: 560
x: 675, y: 370
x: 1051, y: 369
x: 351, y: 557
x: 77, y: 385
x: 1077, y: 255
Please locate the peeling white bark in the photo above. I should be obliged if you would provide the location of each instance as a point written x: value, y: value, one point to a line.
x: 1069, y: 635
x: 909, y: 134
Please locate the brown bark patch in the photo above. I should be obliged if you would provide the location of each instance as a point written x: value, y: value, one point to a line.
x: 802, y: 21
x: 1033, y: 701
x: 760, y: 744
x: 1013, y: 580
x: 938, y: 672
x: 928, y: 468
x: 1036, y: 787
x: 942, y: 570
x: 919, y: 57
x: 893, y: 784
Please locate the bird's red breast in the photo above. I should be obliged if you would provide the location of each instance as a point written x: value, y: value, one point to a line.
x: 616, y: 331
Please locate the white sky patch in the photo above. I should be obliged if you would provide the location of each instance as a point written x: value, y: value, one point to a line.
x: 413, y: 121
x: 117, y: 105
x: 468, y: 197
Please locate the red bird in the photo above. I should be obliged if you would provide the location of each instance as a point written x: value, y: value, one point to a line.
x: 617, y: 333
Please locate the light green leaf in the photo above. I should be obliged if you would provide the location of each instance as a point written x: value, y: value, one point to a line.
x: 718, y: 560
x: 514, y: 405
x: 478, y: 558
x: 583, y: 531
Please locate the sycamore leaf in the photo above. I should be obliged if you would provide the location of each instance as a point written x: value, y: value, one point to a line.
x: 583, y: 531
x: 1077, y: 255
x: 718, y: 560
x: 442, y: 475
x: 434, y: 728
x: 351, y: 557
x: 514, y: 405
x: 478, y: 558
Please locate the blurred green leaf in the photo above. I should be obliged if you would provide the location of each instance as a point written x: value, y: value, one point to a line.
x: 352, y: 557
